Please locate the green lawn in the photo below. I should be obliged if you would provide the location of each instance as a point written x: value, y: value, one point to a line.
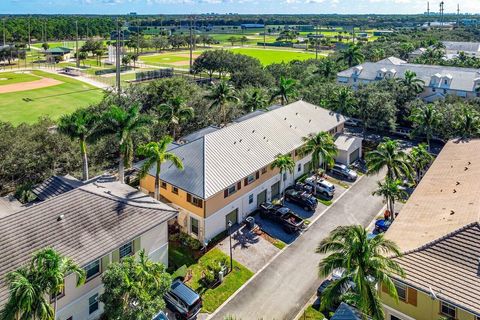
x: 16, y: 77
x: 312, y: 314
x: 28, y: 106
x: 213, y: 298
x: 269, y: 56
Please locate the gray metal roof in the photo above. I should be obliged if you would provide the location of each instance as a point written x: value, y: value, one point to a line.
x: 223, y: 157
x: 449, y: 267
x: 198, y: 134
x: 463, y: 79
x: 55, y: 185
x: 84, y: 224
x: 473, y: 47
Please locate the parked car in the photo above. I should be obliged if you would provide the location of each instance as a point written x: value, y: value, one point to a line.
x: 160, y: 316
x: 321, y: 186
x: 302, y: 198
x: 299, y: 186
x: 344, y: 172
x: 290, y: 222
x: 351, y: 122
x: 323, y: 286
x: 183, y: 301
x: 382, y: 226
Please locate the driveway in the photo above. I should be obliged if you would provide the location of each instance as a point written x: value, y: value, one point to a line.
x: 281, y: 289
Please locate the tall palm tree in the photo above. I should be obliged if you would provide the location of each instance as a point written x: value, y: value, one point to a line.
x: 352, y: 55
x: 366, y: 261
x: 389, y: 154
x: 467, y: 123
x: 286, y: 89
x: 327, y: 68
x: 391, y: 191
x: 420, y: 159
x: 284, y: 163
x: 80, y: 125
x: 155, y: 154
x: 254, y: 99
x: 413, y: 84
x: 343, y: 101
x: 425, y: 120
x: 174, y: 112
x: 221, y: 95
x: 124, y: 124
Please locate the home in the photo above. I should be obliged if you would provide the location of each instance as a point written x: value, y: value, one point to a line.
x: 438, y: 230
x: 452, y: 50
x: 94, y: 224
x: 57, y: 54
x: 228, y: 170
x: 439, y: 81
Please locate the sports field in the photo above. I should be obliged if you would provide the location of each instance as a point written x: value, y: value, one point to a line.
x: 269, y: 56
x: 36, y: 94
x: 180, y: 59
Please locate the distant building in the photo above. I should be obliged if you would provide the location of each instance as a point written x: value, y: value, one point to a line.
x: 453, y: 49
x: 439, y: 81
x: 57, y: 54
x: 380, y: 33
x: 306, y: 28
x: 469, y: 22
x: 438, y: 25
x: 252, y: 26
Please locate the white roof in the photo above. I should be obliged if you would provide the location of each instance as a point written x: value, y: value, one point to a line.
x: 345, y: 142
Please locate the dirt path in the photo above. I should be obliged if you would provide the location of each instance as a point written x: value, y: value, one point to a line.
x: 26, y: 86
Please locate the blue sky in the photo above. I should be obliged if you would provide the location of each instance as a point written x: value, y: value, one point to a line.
x: 225, y: 6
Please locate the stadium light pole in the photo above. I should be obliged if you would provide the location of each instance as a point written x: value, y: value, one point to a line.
x: 77, y: 53
x: 117, y: 59
x: 191, y: 42
x: 4, y: 33
x: 29, y: 34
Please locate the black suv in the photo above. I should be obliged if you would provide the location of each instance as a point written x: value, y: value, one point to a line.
x: 302, y: 199
x: 183, y: 301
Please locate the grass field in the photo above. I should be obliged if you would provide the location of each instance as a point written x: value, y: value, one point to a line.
x: 28, y: 106
x: 16, y: 77
x: 269, y: 56
x: 178, y: 59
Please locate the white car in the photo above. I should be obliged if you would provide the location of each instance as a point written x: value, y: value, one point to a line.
x: 321, y: 186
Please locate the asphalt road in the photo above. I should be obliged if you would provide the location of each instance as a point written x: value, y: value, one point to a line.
x: 281, y: 289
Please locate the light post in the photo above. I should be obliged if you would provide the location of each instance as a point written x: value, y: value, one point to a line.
x: 230, y: 236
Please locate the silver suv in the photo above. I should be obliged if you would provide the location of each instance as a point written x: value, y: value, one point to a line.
x: 321, y: 186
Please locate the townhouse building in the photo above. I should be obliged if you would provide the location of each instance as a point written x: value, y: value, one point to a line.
x: 439, y: 81
x: 94, y: 224
x: 228, y: 170
x: 438, y: 230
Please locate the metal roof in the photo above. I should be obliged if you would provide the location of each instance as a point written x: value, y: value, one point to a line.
x: 345, y: 142
x: 467, y: 47
x: 346, y: 312
x: 55, y: 185
x: 221, y: 158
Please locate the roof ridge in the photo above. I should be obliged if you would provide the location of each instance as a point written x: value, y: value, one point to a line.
x: 204, y: 167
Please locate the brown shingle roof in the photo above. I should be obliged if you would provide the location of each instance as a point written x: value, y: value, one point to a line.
x: 449, y: 267
x: 97, y: 218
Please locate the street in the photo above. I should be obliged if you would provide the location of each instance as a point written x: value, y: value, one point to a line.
x: 281, y: 289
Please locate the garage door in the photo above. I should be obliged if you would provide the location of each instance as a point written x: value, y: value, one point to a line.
x: 354, y: 156
x: 261, y: 197
x: 231, y: 217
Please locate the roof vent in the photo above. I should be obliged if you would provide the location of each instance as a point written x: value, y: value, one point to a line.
x: 61, y: 217
x: 285, y: 118
x: 253, y: 131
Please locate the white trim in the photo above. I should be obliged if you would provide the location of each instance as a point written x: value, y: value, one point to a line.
x: 396, y: 313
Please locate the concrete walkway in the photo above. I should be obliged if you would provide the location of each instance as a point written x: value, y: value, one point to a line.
x: 281, y: 289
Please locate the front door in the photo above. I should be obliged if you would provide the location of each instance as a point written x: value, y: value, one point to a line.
x: 232, y: 217
x: 261, y: 197
x: 276, y: 190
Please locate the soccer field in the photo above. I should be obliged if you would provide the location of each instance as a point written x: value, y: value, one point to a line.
x: 47, y: 95
x: 268, y: 56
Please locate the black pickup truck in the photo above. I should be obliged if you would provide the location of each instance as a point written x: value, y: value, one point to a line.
x: 290, y: 222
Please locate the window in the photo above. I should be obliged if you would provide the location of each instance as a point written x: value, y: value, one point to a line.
x: 194, y: 226
x: 448, y: 310
x: 394, y: 318
x: 299, y: 167
x: 250, y: 199
x: 197, y: 202
x: 174, y: 190
x: 59, y: 295
x: 401, y: 290
x: 230, y: 190
x: 163, y: 185
x: 434, y: 90
x: 92, y: 269
x: 93, y: 303
x: 284, y: 176
x: 70, y: 318
x: 445, y: 82
x: 126, y: 250
x: 264, y: 170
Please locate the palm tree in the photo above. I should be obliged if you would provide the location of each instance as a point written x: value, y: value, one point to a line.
x: 388, y: 154
x: 124, y: 124
x: 327, y: 68
x: 467, y: 123
x: 366, y: 261
x: 220, y: 95
x: 343, y: 100
x: 420, y: 159
x: 287, y: 88
x: 254, y: 99
x: 413, y: 84
x: 425, y: 120
x: 377, y: 54
x: 284, y: 163
x: 174, y: 112
x: 156, y: 153
x: 391, y: 191
x: 352, y: 55
x: 80, y: 125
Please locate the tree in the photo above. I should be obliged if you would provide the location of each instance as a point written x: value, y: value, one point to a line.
x: 286, y: 89
x: 352, y: 55
x: 134, y: 289
x: 284, y: 163
x: 366, y: 261
x: 254, y: 99
x: 80, y: 125
x: 233, y: 40
x: 160, y: 43
x: 327, y: 68
x: 82, y: 56
x: 126, y: 59
x: 343, y: 101
x: 391, y: 191
x: 389, y: 154
x: 221, y: 95
x: 425, y: 121
x: 45, y: 46
x: 124, y: 124
x: 376, y: 108
x: 243, y: 40
x: 174, y: 112
x: 155, y: 154
x: 420, y: 159
x: 412, y: 84
x: 467, y: 123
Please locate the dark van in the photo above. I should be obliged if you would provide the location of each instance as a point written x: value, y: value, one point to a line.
x: 183, y: 301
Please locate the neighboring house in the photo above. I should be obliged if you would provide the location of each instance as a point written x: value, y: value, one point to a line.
x: 452, y: 50
x: 94, y: 224
x: 440, y: 81
x: 347, y: 312
x: 57, y: 54
x: 228, y: 171
x: 438, y: 25
x: 438, y: 231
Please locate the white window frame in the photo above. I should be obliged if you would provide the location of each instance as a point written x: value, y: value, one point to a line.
x: 250, y: 199
x: 232, y: 189
x: 448, y: 305
x: 251, y: 178
x: 88, y: 267
x: 95, y: 302
x: 191, y: 226
x: 125, y: 246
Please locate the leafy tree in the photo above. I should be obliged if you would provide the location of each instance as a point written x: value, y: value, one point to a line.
x: 254, y: 99
x: 425, y: 121
x: 80, y: 125
x: 155, y: 154
x: 174, y: 112
x: 366, y: 261
x: 45, y: 46
x: 375, y: 108
x: 327, y: 68
x: 221, y: 95
x: 391, y: 191
x: 389, y: 154
x: 352, y: 55
x: 420, y: 158
x: 286, y: 89
x: 284, y: 163
x: 160, y: 43
x: 233, y: 40
x: 343, y: 101
x: 467, y: 123
x: 134, y: 289
x: 412, y: 84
